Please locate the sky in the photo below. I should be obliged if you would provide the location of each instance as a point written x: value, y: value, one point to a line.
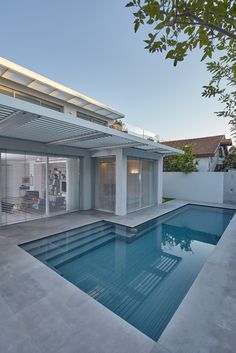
x: 91, y: 46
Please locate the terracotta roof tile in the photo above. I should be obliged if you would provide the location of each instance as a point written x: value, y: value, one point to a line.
x: 203, y: 146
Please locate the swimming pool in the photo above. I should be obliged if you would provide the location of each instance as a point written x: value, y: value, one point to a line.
x: 142, y: 274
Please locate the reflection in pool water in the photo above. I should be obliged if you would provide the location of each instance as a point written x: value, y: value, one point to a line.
x: 140, y: 274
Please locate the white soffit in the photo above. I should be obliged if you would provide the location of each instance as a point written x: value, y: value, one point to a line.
x: 17, y: 77
x: 28, y: 78
x: 2, y: 70
x: 41, y: 87
x: 61, y: 95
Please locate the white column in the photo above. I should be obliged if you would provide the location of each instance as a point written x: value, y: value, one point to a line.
x: 86, y: 184
x: 159, y: 180
x: 121, y: 183
x: 73, y: 192
x: 47, y: 190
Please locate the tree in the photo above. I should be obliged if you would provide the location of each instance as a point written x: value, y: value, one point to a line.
x: 118, y: 125
x: 230, y: 160
x: 178, y: 27
x: 223, y: 85
x: 185, y: 163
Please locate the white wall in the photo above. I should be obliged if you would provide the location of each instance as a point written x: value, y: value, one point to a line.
x: 197, y: 186
x: 230, y: 187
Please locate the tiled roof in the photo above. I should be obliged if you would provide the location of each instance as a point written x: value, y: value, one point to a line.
x: 203, y: 146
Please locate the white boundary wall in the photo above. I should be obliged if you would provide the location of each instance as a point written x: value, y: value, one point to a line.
x: 197, y: 186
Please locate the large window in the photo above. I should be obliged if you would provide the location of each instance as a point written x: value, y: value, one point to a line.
x: 33, y: 186
x: 92, y: 119
x: 57, y: 184
x: 23, y: 187
x: 140, y: 184
x: 29, y: 98
x: 105, y: 184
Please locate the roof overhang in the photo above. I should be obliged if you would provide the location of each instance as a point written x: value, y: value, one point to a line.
x: 26, y: 121
x: 30, y: 79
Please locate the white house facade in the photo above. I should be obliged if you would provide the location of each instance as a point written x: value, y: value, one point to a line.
x: 209, y: 152
x: 59, y: 154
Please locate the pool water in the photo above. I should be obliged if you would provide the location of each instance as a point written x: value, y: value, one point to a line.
x: 142, y: 274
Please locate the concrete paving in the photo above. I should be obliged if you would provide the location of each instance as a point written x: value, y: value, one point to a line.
x: 42, y: 312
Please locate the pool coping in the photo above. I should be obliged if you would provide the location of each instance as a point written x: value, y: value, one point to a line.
x: 130, y: 339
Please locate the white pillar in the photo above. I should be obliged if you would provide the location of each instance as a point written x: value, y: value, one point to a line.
x: 73, y: 190
x: 86, y: 183
x: 121, y: 183
x: 47, y: 189
x: 159, y: 180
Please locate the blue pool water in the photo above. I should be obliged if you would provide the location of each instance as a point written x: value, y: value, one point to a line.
x: 142, y: 274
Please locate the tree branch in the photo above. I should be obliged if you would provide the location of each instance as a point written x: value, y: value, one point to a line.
x: 209, y: 25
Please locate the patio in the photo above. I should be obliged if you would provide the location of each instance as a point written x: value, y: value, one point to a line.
x: 42, y: 312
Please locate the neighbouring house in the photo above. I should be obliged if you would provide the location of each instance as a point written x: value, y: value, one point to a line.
x: 59, y: 153
x: 210, y: 151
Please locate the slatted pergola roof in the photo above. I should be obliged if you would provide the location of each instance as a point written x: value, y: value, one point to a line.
x: 26, y: 121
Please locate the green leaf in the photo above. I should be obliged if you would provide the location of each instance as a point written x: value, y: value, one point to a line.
x: 136, y: 25
x: 204, y: 57
x: 168, y: 30
x: 170, y: 54
x: 130, y: 4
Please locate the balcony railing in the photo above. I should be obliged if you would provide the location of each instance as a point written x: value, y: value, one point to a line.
x: 135, y: 130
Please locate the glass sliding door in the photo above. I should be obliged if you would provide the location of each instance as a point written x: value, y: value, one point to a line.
x: 147, y: 183
x: 33, y: 186
x: 133, y: 185
x: 140, y: 184
x: 23, y: 185
x: 35, y: 179
x: 57, y: 184
x: 105, y: 198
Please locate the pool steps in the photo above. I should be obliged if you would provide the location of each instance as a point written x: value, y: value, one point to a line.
x: 63, y: 249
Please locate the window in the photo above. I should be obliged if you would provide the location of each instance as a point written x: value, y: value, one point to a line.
x: 105, y: 197
x: 140, y: 184
x: 23, y: 187
x: 34, y: 186
x: 93, y: 120
x: 31, y: 99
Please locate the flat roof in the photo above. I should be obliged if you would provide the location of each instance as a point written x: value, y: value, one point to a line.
x: 19, y: 74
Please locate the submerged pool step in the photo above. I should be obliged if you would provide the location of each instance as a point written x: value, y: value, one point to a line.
x: 67, y: 241
x: 61, y: 260
x: 131, y: 236
x: 69, y: 247
x: 63, y: 238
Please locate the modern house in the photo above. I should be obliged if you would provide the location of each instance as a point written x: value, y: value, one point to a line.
x: 210, y: 151
x: 58, y: 152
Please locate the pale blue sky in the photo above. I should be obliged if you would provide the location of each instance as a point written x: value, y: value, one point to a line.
x: 91, y: 46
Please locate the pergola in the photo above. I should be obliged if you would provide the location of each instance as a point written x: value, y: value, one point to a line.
x: 26, y: 121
